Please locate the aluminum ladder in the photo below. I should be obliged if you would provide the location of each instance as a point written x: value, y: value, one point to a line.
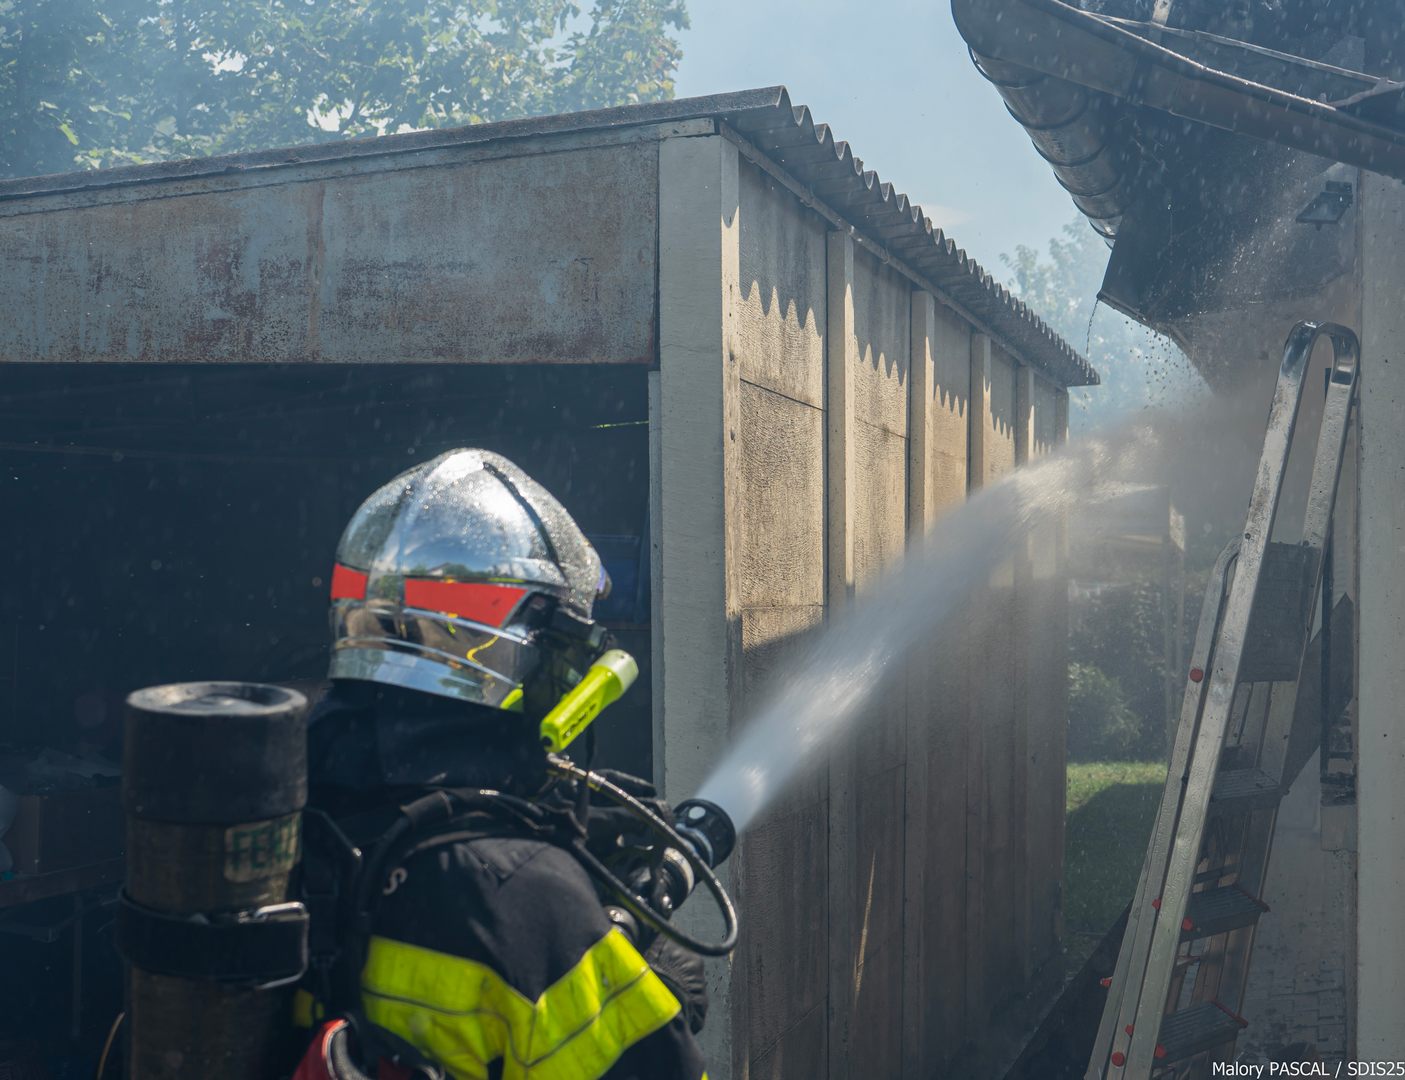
x: 1175, y: 993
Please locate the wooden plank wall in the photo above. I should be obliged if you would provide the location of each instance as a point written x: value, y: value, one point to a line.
x: 1044, y: 631
x: 868, y: 819
x: 781, y: 1011
x: 994, y: 944
x: 938, y: 714
x: 895, y: 900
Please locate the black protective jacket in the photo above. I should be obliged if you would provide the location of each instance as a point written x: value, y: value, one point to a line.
x: 490, y: 954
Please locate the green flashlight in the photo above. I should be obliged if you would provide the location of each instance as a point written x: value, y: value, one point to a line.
x: 608, y: 678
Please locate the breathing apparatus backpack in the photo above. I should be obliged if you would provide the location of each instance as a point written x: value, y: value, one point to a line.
x: 342, y: 886
x: 218, y: 921
x: 639, y: 881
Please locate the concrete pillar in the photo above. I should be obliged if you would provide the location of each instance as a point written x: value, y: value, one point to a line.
x: 695, y: 419
x: 841, y: 357
x: 921, y: 405
x: 1024, y: 414
x: 980, y: 423
x: 1026, y: 670
x: 922, y: 376
x: 1380, y: 785
x: 840, y: 361
x: 976, y: 788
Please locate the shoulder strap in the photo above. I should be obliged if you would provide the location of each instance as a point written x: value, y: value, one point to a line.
x: 343, y: 885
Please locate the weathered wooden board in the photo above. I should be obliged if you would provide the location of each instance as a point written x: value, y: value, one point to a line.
x: 882, y: 300
x: 781, y: 308
x: 1044, y: 630
x: 779, y: 349
x: 781, y: 501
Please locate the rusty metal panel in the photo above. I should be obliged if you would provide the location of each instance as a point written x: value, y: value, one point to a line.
x: 205, y: 278
x: 548, y: 258
x: 543, y: 259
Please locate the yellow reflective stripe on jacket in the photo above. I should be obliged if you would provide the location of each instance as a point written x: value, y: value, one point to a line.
x: 464, y: 1015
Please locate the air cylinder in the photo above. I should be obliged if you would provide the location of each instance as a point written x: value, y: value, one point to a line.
x: 214, y: 782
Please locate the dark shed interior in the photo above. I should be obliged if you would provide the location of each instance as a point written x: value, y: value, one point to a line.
x: 178, y: 522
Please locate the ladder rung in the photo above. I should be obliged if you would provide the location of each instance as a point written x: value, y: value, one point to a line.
x: 1218, y: 911
x: 1244, y: 790
x: 1200, y: 1027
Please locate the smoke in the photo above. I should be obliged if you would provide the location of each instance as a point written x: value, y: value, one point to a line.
x: 1205, y: 453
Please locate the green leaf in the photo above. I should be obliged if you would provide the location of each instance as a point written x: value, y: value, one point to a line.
x: 207, y: 76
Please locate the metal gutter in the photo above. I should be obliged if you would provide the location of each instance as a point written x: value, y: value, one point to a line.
x: 1067, y: 125
x: 1306, y: 106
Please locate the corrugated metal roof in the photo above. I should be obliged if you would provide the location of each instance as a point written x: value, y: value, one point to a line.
x: 828, y: 167
x: 785, y: 133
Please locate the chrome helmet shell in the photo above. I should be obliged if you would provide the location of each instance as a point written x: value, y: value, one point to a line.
x: 447, y: 576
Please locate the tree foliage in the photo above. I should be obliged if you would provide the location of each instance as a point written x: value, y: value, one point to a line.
x: 1119, y: 630
x: 101, y: 82
x: 1138, y: 368
x: 1102, y: 725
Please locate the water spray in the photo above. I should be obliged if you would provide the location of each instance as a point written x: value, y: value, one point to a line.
x: 853, y: 658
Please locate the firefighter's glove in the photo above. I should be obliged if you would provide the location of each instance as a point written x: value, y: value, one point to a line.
x: 682, y: 972
x: 611, y: 828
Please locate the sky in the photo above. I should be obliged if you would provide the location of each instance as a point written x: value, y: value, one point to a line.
x: 893, y: 78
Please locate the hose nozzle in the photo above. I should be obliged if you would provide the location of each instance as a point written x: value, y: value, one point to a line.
x: 707, y: 827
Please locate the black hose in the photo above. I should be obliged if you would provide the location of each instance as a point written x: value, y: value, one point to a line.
x: 627, y: 899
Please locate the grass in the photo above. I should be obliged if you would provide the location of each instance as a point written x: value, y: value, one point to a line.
x: 1111, y: 806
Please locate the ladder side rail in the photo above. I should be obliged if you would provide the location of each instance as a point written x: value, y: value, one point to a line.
x: 1332, y: 436
x: 1136, y: 938
x: 1317, y: 524
x: 1223, y: 680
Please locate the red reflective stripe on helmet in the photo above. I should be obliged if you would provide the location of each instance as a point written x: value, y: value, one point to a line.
x: 348, y: 584
x: 476, y: 601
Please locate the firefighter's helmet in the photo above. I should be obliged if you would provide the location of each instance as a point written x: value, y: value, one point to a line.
x: 465, y: 578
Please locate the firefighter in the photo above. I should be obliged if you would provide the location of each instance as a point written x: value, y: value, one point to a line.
x: 462, y: 604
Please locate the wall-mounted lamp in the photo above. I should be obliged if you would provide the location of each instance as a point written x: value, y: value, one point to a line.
x: 1329, y: 205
